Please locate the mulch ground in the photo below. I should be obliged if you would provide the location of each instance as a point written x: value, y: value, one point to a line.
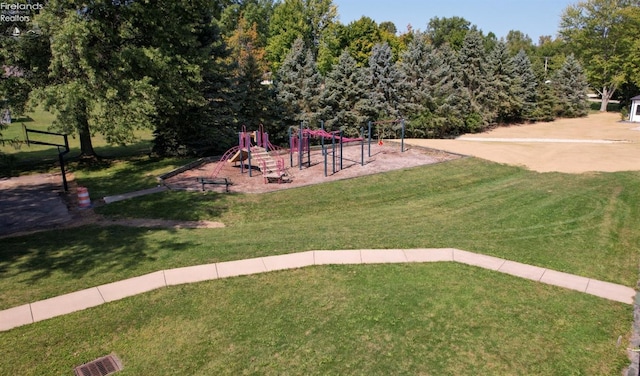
x: 386, y: 157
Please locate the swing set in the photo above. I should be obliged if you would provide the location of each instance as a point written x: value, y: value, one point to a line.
x: 386, y: 129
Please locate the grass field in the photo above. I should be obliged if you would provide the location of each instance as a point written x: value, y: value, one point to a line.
x: 386, y: 319
x: 42, y: 158
x: 431, y: 319
x: 580, y: 224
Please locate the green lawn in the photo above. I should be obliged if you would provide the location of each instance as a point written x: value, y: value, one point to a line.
x: 580, y: 224
x: 394, y: 319
x: 42, y: 158
x: 429, y: 319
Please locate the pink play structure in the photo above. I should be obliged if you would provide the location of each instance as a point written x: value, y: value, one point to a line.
x: 256, y: 149
x: 299, y: 141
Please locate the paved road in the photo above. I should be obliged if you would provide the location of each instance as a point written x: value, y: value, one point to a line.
x: 31, y: 202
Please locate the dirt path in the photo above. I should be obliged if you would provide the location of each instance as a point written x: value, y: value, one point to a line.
x: 599, y: 142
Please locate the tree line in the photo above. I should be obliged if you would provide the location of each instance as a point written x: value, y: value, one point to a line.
x: 195, y: 71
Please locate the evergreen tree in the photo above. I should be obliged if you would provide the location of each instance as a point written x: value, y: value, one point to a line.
x: 298, y: 85
x: 451, y: 115
x: 384, y: 81
x: 502, y: 98
x: 473, y: 69
x: 571, y: 87
x: 344, y: 96
x: 415, y: 63
x: 191, y: 72
x: 527, y: 88
x: 252, y: 101
x: 547, y: 103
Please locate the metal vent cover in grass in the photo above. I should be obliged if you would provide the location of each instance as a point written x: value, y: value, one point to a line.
x: 100, y: 367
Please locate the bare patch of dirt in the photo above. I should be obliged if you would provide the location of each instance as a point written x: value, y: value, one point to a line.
x: 564, y: 145
x: 158, y: 223
x: 383, y: 158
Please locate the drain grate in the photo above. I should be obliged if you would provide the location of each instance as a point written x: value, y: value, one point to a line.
x: 100, y: 367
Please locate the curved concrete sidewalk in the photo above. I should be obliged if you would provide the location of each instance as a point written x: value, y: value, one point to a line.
x: 79, y: 300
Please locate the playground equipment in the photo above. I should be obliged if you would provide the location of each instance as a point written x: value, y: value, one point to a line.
x: 299, y: 141
x: 255, y: 150
x: 383, y: 128
x: 61, y: 152
x: 267, y: 156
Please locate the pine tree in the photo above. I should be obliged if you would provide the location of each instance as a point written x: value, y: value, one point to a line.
x: 547, y: 103
x: 473, y: 69
x: 383, y: 81
x: 452, y: 101
x: 298, y: 85
x: 344, y: 96
x: 196, y: 114
x: 253, y: 102
x: 571, y: 86
x: 501, y: 98
x: 527, y: 85
x: 414, y: 65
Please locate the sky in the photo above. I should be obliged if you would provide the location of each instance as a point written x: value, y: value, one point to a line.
x: 532, y: 17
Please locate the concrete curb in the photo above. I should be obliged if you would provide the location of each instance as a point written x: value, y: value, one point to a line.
x: 91, y: 297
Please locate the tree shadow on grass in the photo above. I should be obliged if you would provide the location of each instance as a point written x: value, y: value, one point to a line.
x: 174, y: 205
x: 86, y: 252
x: 43, y: 158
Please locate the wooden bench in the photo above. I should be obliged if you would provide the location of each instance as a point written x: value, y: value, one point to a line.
x: 217, y: 181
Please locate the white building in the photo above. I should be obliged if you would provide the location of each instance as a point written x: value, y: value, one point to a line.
x: 634, y: 114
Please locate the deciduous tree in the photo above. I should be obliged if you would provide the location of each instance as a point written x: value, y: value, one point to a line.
x: 596, y: 31
x: 448, y: 30
x: 293, y: 19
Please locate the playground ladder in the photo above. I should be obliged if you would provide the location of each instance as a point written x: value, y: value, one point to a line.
x: 270, y: 167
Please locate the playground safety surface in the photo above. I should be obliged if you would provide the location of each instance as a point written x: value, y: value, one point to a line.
x: 386, y: 157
